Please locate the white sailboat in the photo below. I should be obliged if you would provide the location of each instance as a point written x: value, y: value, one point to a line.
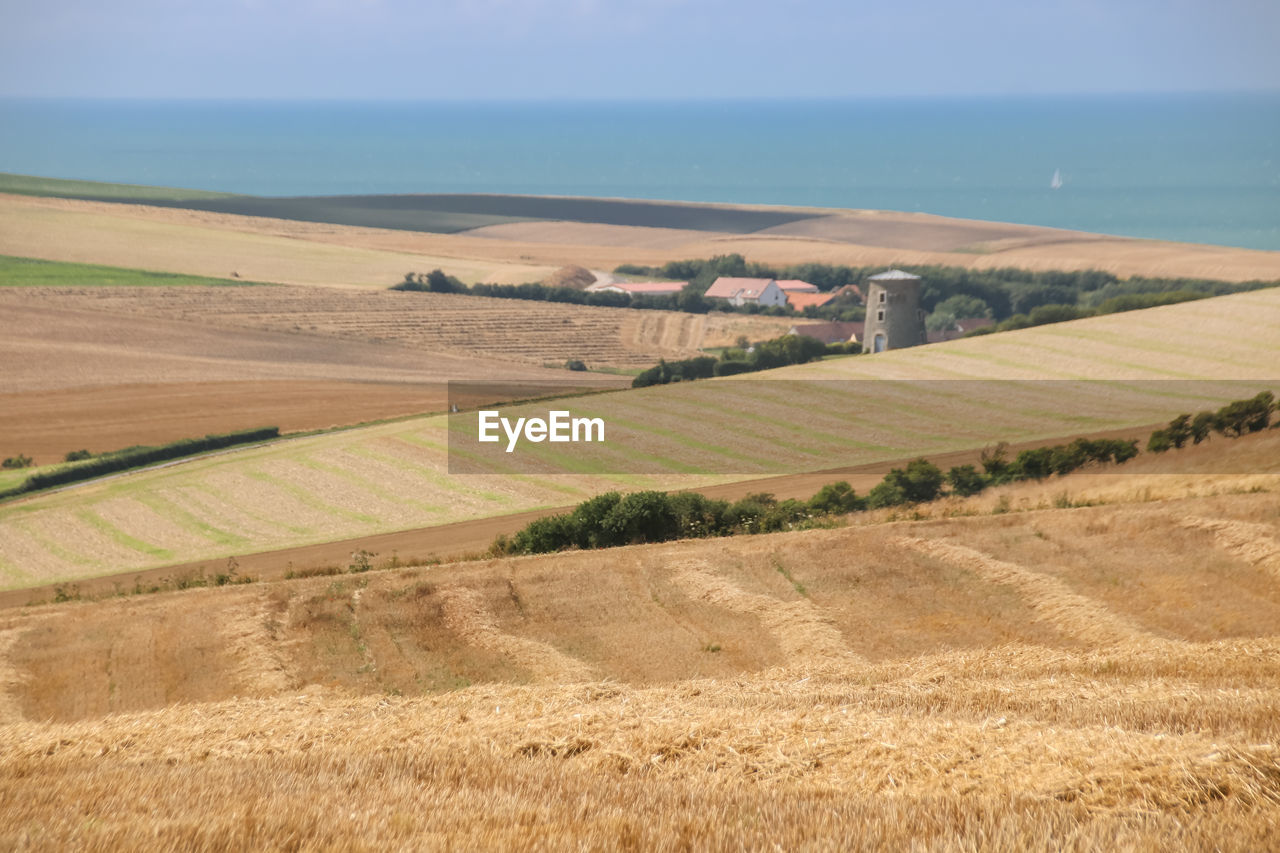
x: 1055, y: 183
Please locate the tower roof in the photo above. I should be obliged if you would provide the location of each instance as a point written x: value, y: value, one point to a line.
x: 894, y: 275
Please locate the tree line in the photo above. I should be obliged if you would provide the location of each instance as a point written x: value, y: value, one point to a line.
x: 1233, y: 420
x: 614, y: 519
x: 136, y: 457
x: 1013, y: 298
x: 743, y: 358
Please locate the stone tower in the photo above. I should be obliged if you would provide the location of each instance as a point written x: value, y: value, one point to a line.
x: 894, y: 319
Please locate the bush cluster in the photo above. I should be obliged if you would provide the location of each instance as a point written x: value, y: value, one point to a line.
x: 1232, y: 420
x: 614, y: 519
x: 779, y: 352
x: 136, y: 457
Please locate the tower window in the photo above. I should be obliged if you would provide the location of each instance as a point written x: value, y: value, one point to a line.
x: 880, y: 316
x: 882, y: 296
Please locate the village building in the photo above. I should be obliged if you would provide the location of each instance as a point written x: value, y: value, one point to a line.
x: 764, y: 292
x: 795, y: 285
x: 800, y: 301
x: 639, y: 288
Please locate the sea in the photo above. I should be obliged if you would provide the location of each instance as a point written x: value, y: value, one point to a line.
x: 1198, y: 167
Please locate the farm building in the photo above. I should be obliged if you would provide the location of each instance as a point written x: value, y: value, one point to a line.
x: 850, y: 290
x: 801, y: 301
x: 829, y: 333
x: 795, y: 285
x: 748, y: 291
x: 894, y: 317
x: 639, y: 288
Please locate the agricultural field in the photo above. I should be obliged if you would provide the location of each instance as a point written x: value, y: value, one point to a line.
x: 397, y: 476
x: 508, y: 331
x: 63, y: 188
x: 79, y: 374
x: 30, y: 272
x: 1006, y: 674
x: 295, y: 251
x: 224, y: 246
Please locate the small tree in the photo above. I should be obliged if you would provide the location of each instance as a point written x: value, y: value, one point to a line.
x: 966, y: 480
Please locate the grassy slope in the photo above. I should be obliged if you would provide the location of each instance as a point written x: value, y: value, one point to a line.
x: 396, y: 476
x: 1105, y: 674
x: 32, y: 272
x: 98, y: 190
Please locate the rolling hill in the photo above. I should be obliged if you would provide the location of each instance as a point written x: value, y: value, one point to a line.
x: 1003, y: 679
x: 397, y: 476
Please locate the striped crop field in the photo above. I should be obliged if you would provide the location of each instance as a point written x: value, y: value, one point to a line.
x: 1148, y: 367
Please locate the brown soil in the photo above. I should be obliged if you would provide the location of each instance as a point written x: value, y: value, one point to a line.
x: 47, y: 424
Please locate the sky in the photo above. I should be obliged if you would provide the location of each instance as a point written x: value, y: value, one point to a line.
x: 632, y: 49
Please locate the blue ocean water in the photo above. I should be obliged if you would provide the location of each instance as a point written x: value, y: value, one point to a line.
x: 1202, y: 168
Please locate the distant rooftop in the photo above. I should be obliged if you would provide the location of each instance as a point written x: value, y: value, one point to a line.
x: 894, y: 275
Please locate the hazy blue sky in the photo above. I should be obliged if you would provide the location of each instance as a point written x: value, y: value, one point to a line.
x: 632, y: 48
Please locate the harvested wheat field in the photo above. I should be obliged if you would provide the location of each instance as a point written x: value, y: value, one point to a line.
x: 1077, y: 678
x: 507, y: 333
x: 398, y: 476
x: 298, y: 252
x: 79, y: 374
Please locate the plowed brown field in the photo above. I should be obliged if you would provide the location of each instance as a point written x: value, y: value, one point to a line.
x: 79, y: 373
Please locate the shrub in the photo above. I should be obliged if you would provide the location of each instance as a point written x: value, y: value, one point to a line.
x: 575, y: 364
x: 78, y: 455
x: 15, y: 462
x: 641, y: 517
x: 836, y: 499
x: 1244, y: 416
x: 920, y: 482
x: 733, y: 368
x: 965, y: 480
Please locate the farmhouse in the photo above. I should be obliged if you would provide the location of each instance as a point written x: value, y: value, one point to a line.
x: 639, y: 288
x: 748, y: 291
x: 829, y: 333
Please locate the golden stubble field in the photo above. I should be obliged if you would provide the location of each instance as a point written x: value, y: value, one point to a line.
x: 397, y: 476
x: 1103, y: 676
x: 263, y: 249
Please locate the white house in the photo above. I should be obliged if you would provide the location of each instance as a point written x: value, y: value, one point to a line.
x: 639, y: 288
x: 764, y: 292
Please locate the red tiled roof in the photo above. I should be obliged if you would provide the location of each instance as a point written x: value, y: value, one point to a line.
x: 801, y: 301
